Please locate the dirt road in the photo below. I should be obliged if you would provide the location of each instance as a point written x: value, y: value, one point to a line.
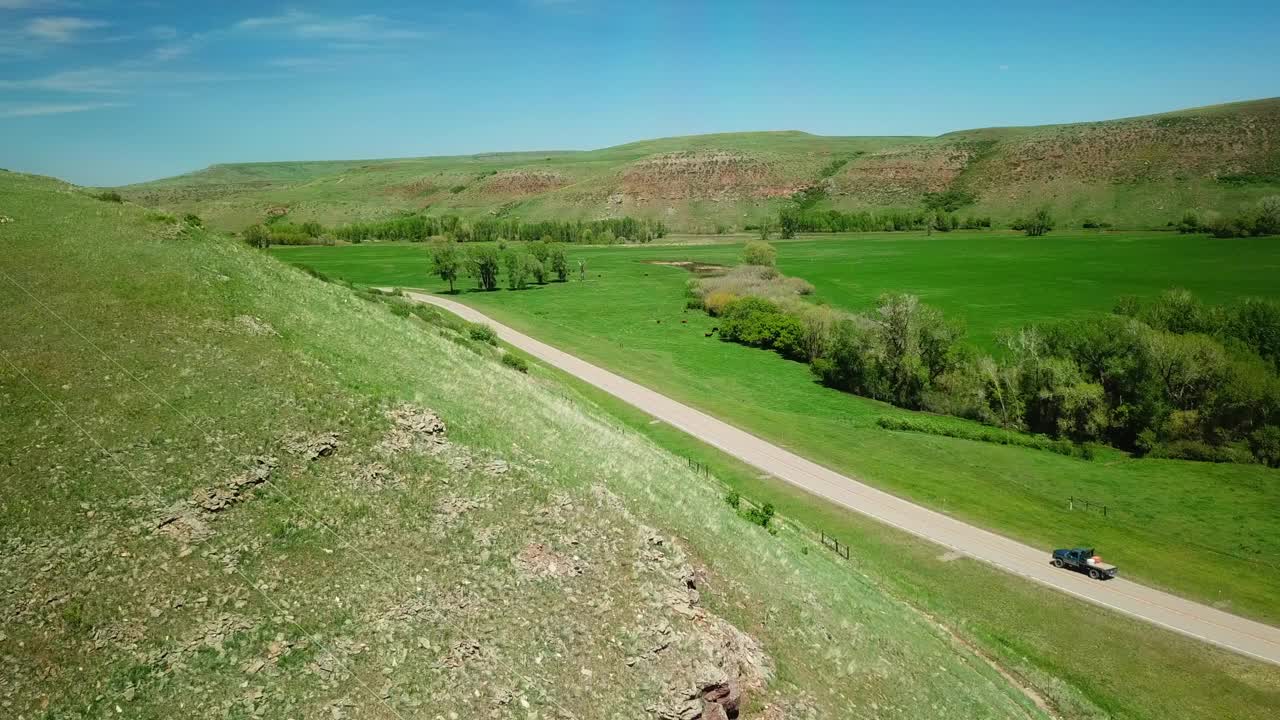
x: 1168, y: 611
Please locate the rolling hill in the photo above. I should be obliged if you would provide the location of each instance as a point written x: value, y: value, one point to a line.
x: 1136, y: 172
x: 228, y: 489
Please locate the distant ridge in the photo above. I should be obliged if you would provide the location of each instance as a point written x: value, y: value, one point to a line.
x: 1132, y: 172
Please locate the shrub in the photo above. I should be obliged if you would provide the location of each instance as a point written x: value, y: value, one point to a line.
x: 716, y: 302
x: 110, y: 196
x: 1264, y: 443
x: 1040, y: 223
x: 193, y: 220
x: 734, y: 500
x: 759, y: 323
x: 759, y: 253
x: 760, y: 515
x: 1267, y: 221
x: 983, y: 434
x: 693, y: 303
x: 515, y: 362
x: 482, y: 333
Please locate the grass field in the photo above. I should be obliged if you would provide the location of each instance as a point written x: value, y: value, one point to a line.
x: 1163, y: 515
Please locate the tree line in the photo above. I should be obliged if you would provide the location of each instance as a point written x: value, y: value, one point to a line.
x: 534, y: 262
x: 1171, y: 377
x: 421, y: 228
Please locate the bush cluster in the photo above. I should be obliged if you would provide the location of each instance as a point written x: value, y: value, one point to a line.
x: 515, y: 362
x: 1264, y: 219
x: 482, y: 333
x: 983, y: 434
x: 1167, y: 378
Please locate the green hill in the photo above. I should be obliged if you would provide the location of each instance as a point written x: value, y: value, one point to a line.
x: 232, y: 490
x: 1135, y: 172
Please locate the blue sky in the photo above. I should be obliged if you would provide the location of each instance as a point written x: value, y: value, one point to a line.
x: 115, y: 92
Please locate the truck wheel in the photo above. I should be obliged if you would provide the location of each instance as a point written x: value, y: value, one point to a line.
x: 1057, y: 563
x: 1094, y: 574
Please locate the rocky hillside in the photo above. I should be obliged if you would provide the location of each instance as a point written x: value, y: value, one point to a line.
x: 1136, y: 172
x: 230, y: 490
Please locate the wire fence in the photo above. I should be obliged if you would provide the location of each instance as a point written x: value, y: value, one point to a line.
x: 828, y: 541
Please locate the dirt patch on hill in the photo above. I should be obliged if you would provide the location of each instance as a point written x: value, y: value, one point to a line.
x: 414, y: 189
x: 706, y: 175
x: 521, y: 183
x: 902, y: 175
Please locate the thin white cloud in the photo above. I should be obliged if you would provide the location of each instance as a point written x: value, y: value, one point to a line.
x: 111, y: 80
x: 36, y: 110
x: 174, y: 50
x: 292, y: 17
x: 24, y: 4
x: 355, y: 29
x: 60, y: 29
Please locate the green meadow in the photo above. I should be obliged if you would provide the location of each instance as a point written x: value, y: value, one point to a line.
x: 1163, y: 516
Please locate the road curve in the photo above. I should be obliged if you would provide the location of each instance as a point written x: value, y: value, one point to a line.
x: 1202, y: 622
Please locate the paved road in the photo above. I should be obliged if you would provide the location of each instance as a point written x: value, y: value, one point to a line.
x: 1168, y: 611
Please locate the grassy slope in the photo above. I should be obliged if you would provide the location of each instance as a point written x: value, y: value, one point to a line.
x: 1134, y: 172
x: 147, y: 363
x: 1163, y: 514
x: 1120, y: 670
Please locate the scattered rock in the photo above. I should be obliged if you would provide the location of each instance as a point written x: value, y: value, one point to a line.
x: 187, y: 521
x: 311, y: 447
x: 538, y: 560
x: 413, y: 427
x: 452, y: 507
x: 5, y: 219
x: 376, y: 476
x: 464, y: 652
x: 220, y: 497
x: 182, y: 522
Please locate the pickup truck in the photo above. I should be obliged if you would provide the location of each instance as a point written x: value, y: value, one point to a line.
x: 1084, y: 560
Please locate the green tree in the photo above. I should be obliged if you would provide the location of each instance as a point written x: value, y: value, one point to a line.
x: 789, y: 221
x: 540, y: 248
x: 257, y: 236
x: 759, y: 253
x: 558, y: 262
x: 446, y: 261
x: 482, y: 265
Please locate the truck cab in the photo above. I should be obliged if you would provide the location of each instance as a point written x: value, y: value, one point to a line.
x: 1084, y: 560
